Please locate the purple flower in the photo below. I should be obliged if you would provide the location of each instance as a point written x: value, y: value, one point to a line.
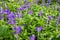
x: 0, y: 17
x: 17, y: 30
x: 59, y: 36
x: 47, y: 21
x: 24, y: 1
x: 37, y: 1
x: 56, y: 23
x: 11, y: 16
x: 49, y: 1
x: 22, y: 7
x: 58, y: 18
x: 1, y: 13
x: 32, y: 37
x: 18, y: 15
x: 50, y: 17
x: 43, y: 2
x: 6, y: 11
x: 27, y: 3
x: 40, y: 13
x: 38, y: 29
x: 47, y: 5
x: 30, y: 12
x: 11, y: 22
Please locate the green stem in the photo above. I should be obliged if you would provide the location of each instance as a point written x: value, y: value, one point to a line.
x: 38, y: 36
x: 16, y: 36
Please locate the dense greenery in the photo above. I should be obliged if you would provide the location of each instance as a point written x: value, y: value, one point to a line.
x: 32, y: 16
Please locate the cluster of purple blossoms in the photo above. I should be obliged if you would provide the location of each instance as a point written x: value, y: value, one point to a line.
x: 11, y: 17
x: 26, y: 5
x: 38, y: 29
x: 11, y: 20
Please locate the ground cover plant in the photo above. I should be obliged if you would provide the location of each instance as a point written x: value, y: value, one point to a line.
x: 29, y: 20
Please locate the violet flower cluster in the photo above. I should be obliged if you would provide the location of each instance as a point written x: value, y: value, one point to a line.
x: 11, y: 19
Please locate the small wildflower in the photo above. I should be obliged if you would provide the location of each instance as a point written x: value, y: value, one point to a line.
x: 47, y: 21
x: 49, y: 1
x: 21, y: 8
x: 40, y: 13
x: 24, y: 1
x: 47, y: 5
x: 32, y: 37
x: 43, y: 2
x: 58, y: 18
x: 24, y: 6
x: 56, y: 23
x: 6, y: 11
x: 17, y: 30
x: 30, y: 12
x: 37, y: 1
x: 18, y: 15
x: 39, y: 29
x: 27, y: 3
x: 50, y: 17
x: 11, y: 16
x: 11, y: 22
x: 59, y: 36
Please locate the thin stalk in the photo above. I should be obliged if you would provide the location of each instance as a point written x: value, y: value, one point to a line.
x: 38, y: 36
